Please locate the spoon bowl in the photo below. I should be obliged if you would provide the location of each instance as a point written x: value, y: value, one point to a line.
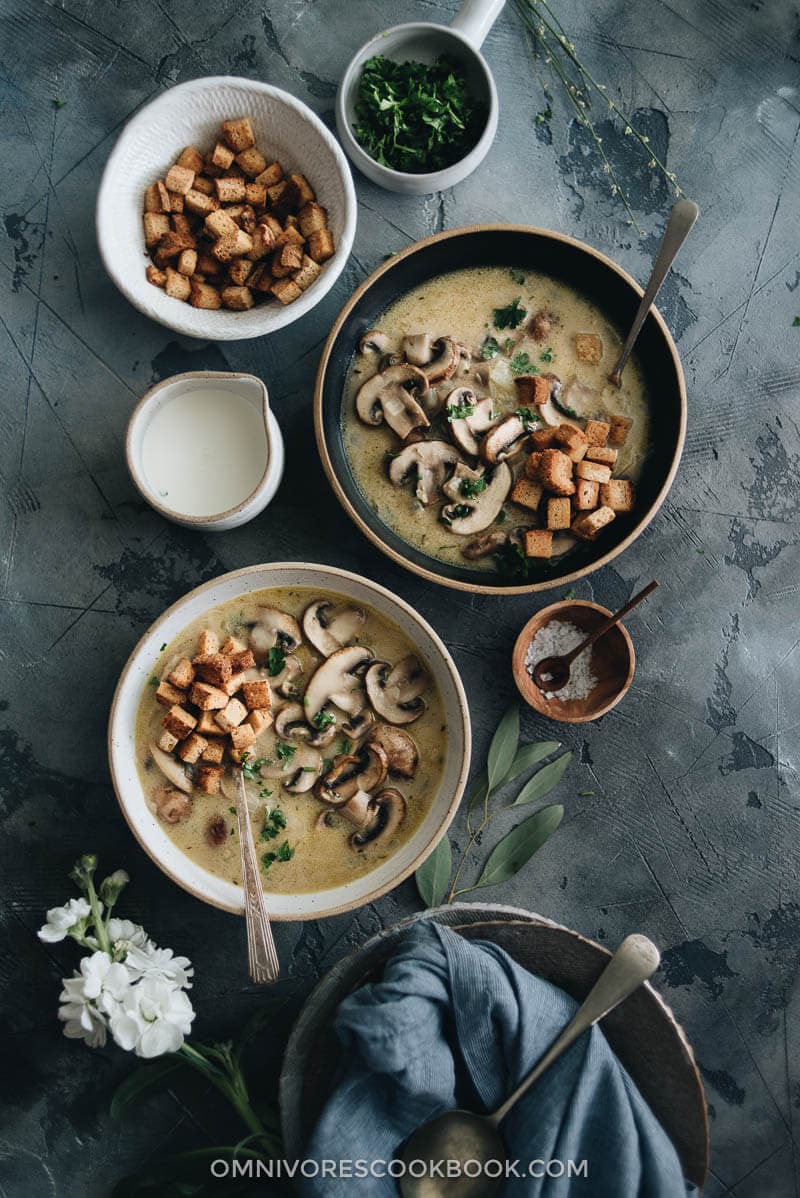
x: 459, y: 1136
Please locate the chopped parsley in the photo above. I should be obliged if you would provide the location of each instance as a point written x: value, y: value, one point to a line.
x: 285, y: 752
x: 264, y: 793
x: 796, y: 322
x: 459, y: 411
x: 508, y: 345
x: 284, y: 852
x: 510, y: 317
x: 456, y: 512
x: 546, y: 355
x: 544, y: 116
x: 512, y: 563
x: 323, y: 719
x: 528, y: 417
x: 59, y: 103
x: 345, y: 746
x: 252, y: 765
x: 501, y: 516
x: 490, y: 348
x: 152, y: 681
x: 521, y: 364
x: 517, y: 276
x: 570, y: 594
x: 232, y: 810
x: 470, y: 487
x: 163, y: 647
x: 274, y: 823
x: 569, y: 411
x: 276, y: 660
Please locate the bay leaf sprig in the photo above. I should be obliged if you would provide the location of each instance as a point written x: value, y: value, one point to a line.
x: 507, y: 761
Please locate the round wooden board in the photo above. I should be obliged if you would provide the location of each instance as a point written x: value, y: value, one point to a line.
x: 643, y: 1031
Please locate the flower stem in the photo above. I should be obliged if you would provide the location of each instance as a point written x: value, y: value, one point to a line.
x: 229, y: 1080
x: 100, y: 929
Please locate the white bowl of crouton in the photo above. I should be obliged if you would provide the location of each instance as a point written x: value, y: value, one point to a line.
x: 226, y: 209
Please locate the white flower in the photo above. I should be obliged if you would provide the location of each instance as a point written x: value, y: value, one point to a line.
x: 152, y: 1019
x: 81, y: 1018
x: 61, y: 919
x: 124, y: 935
x: 149, y: 961
x: 105, y: 982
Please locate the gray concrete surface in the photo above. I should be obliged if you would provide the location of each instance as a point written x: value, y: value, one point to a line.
x: 691, y: 830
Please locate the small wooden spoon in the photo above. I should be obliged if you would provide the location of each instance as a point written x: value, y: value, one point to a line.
x: 261, y: 953
x: 552, y: 673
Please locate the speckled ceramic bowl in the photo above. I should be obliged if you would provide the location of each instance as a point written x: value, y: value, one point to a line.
x: 191, y: 114
x: 151, y: 833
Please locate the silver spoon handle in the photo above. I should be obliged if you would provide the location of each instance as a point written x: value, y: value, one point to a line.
x: 634, y: 962
x: 261, y: 953
x: 679, y: 225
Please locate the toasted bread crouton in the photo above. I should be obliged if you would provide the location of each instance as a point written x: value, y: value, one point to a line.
x: 156, y: 226
x: 321, y: 245
x: 559, y: 513
x: 308, y: 273
x: 207, y: 642
x: 204, y: 295
x: 229, y: 191
x: 187, y: 262
x: 155, y: 276
x: 239, y: 134
x: 259, y: 719
x: 532, y: 389
x: 261, y: 278
x: 209, y: 778
x: 252, y: 162
x: 286, y: 261
x: 198, y: 202
x: 231, y: 715
x: 543, y: 438
x: 527, y: 494
x: 170, y: 246
x: 588, y: 526
x: 255, y: 194
x: 192, y: 159
x: 532, y: 464
x: 235, y: 682
x: 233, y: 245
x: 312, y: 217
x: 213, y: 667
x: 179, y: 179
x: 597, y: 431
x: 285, y: 290
x: 588, y: 348
x: 221, y: 156
x: 232, y: 644
x: 152, y: 198
x: 539, y: 542
x: 304, y: 190
x: 272, y: 224
x: 596, y: 472
x: 239, y: 271
x: 179, y: 722
x: 206, y: 724
x: 601, y: 453
x: 167, y: 741
x: 555, y: 472
x: 571, y: 440
x: 620, y: 427
x: 586, y: 497
x: 272, y: 175
x: 208, y: 697
x: 263, y: 242
x: 214, y: 751
x: 182, y: 224
x: 619, y: 494
x: 182, y: 674
x: 220, y: 224
x: 203, y: 185
x: 165, y: 203
x: 191, y: 749
x: 169, y: 695
x: 242, y: 659
x: 176, y: 202
x: 257, y: 694
x: 237, y: 298
x: 291, y: 235
x: 275, y: 192
x: 242, y: 737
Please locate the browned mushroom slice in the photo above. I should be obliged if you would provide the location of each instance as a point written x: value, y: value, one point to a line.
x: 340, y: 782
x: 402, y: 755
x: 428, y: 463
x: 216, y: 831
x: 374, y: 341
x: 393, y: 395
x: 505, y: 440
x: 359, y: 810
x: 443, y: 365
x: 390, y: 811
x: 375, y: 767
x: 482, y: 546
x: 360, y: 724
x: 172, y: 806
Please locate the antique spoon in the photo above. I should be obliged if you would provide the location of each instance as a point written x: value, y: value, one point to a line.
x: 679, y: 225
x: 462, y: 1136
x: 552, y: 673
x: 261, y: 954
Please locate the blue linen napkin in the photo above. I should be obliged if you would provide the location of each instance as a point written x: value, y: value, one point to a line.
x: 459, y: 1023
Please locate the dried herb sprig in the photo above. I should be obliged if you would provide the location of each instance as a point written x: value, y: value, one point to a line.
x: 549, y: 42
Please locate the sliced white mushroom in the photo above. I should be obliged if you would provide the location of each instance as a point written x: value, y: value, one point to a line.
x: 274, y: 629
x: 445, y: 361
x: 172, y: 805
x: 467, y: 431
x: 287, y: 679
x: 462, y: 474
x: 470, y: 516
x: 393, y: 395
x: 385, y: 686
x: 483, y: 545
x: 390, y: 811
x: 172, y: 770
x: 505, y: 440
x: 428, y: 462
x: 359, y: 810
x: 329, y: 628
x: 298, y: 772
x: 359, y: 725
x: 562, y: 543
x: 409, y: 678
x: 418, y: 349
x: 374, y: 341
x: 337, y: 681
x: 290, y: 722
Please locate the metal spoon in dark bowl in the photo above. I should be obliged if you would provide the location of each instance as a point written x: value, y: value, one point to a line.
x: 463, y: 1136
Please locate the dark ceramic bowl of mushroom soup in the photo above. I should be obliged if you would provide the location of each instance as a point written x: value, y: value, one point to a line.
x: 338, y: 704
x: 465, y: 419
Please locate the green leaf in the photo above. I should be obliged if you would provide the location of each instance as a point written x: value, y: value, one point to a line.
x: 519, y: 845
x: 144, y: 1082
x: 543, y: 782
x: 531, y: 754
x: 433, y: 876
x: 478, y: 790
x: 503, y: 747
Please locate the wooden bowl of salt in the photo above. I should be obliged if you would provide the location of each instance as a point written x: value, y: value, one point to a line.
x: 599, y: 677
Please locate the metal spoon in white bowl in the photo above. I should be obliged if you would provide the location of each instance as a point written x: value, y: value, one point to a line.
x: 463, y: 1137
x: 679, y: 225
x: 262, y: 956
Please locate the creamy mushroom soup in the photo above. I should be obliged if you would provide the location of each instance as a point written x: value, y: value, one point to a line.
x: 480, y: 424
x: 326, y: 709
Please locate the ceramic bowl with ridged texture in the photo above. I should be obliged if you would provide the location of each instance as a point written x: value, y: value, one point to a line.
x: 286, y: 130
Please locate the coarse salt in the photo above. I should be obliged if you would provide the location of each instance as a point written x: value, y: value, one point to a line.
x: 554, y: 639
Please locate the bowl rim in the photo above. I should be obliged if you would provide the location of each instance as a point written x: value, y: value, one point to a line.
x: 521, y: 677
x: 272, y: 465
x: 335, y: 573
x: 339, y: 491
x: 436, y: 179
x: 279, y: 317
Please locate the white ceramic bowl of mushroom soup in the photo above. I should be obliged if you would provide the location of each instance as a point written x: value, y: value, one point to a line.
x: 313, y: 881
